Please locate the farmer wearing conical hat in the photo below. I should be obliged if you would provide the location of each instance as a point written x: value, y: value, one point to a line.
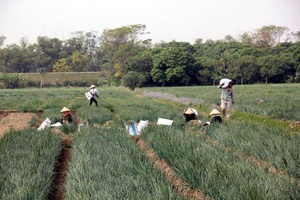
x: 190, y: 114
x: 66, y: 115
x: 215, y: 116
x: 93, y: 93
x: 226, y: 97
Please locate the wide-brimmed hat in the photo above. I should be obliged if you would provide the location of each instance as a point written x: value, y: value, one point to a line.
x: 214, y: 112
x: 65, y: 109
x: 189, y: 111
x: 93, y: 86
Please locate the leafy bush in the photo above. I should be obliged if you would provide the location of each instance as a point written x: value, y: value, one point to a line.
x: 133, y: 79
x: 12, y: 80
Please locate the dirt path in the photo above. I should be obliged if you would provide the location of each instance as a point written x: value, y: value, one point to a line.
x: 172, y: 97
x: 60, y: 171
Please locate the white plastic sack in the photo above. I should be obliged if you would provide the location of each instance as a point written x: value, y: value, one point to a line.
x: 57, y: 124
x: 142, y: 124
x: 131, y: 128
x: 88, y: 95
x: 46, y: 124
x: 226, y: 82
x: 162, y: 121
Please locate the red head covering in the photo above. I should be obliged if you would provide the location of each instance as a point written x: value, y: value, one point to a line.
x: 66, y: 113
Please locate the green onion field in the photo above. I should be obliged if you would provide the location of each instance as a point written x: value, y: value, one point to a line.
x: 253, y: 155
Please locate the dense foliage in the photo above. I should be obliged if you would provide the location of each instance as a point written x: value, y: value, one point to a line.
x: 270, y: 54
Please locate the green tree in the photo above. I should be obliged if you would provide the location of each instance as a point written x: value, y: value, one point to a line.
x: 246, y: 38
x: 265, y: 64
x: 296, y: 60
x: 199, y: 41
x: 122, y: 43
x: 12, y: 58
x: 286, y: 64
x: 229, y: 38
x: 132, y: 80
x: 269, y: 36
x: 159, y: 75
x: 277, y: 68
x: 207, y: 73
x: 48, y: 51
x: 92, y: 46
x: 61, y: 65
x: 141, y: 63
x: 75, y: 43
x: 79, y: 60
x: 27, y: 51
x: 244, y: 69
x: 2, y: 40
x: 171, y: 66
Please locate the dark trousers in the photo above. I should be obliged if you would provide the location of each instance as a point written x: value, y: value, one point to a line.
x: 93, y: 100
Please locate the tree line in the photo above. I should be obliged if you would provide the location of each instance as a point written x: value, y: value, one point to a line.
x: 270, y: 54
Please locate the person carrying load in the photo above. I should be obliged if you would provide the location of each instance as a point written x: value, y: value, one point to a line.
x: 92, y: 94
x: 226, y: 96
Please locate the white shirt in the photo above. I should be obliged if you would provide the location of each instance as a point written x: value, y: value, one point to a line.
x: 94, y: 92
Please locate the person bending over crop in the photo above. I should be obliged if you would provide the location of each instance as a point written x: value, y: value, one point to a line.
x: 66, y: 115
x: 190, y: 114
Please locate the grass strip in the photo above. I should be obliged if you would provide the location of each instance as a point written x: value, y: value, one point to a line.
x: 27, y: 161
x: 264, y: 142
x: 106, y: 164
x: 219, y: 174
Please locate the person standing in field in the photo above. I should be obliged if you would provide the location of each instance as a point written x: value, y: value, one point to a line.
x: 93, y: 94
x: 226, y: 97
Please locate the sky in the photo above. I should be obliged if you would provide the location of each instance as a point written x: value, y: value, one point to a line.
x: 165, y: 20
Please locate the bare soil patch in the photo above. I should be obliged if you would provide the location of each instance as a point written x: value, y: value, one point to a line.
x: 14, y: 120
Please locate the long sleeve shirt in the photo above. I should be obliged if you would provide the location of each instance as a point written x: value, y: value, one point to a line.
x: 94, y: 92
x: 227, y: 94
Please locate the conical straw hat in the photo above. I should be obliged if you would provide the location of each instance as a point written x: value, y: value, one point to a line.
x: 65, y: 109
x: 214, y: 112
x: 189, y: 111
